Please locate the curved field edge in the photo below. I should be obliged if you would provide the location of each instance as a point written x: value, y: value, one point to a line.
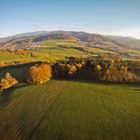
x: 71, y: 110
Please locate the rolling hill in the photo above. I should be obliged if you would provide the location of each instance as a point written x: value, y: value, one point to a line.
x: 60, y: 44
x: 128, y: 42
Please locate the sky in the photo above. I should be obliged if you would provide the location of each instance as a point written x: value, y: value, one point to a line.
x: 110, y: 17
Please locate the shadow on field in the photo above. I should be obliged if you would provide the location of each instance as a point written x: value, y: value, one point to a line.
x: 137, y: 89
x: 18, y: 70
x: 5, y: 97
x: 105, y: 83
x: 134, y: 87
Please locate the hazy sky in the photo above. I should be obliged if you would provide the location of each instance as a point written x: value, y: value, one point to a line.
x: 116, y: 17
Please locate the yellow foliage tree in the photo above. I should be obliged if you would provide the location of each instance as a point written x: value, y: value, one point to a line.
x: 5, y: 83
x: 79, y: 66
x: 39, y: 74
x: 8, y: 81
x: 72, y: 70
x: 98, y: 67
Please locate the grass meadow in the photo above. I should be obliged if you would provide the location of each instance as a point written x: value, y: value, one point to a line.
x: 71, y: 110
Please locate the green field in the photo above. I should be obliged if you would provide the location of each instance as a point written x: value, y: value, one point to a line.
x: 7, y: 56
x: 59, y: 49
x: 70, y: 110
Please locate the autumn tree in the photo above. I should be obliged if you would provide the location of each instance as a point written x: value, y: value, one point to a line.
x: 8, y: 81
x: 39, y: 74
x: 72, y: 71
x: 113, y: 70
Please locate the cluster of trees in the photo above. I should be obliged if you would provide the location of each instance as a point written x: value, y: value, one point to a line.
x: 39, y: 73
x: 7, y: 82
x: 16, y: 51
x: 19, y: 52
x: 114, y: 70
x: 22, y: 53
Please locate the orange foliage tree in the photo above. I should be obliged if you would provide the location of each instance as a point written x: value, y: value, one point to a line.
x: 39, y: 74
x: 8, y: 81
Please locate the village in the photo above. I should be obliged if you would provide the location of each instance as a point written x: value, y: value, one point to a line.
x: 118, y: 52
x: 29, y: 46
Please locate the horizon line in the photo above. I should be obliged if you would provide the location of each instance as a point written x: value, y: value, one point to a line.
x: 3, y: 35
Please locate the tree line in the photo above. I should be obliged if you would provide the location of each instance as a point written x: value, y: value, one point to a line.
x: 112, y: 70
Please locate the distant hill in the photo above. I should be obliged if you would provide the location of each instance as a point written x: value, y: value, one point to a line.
x: 22, y: 36
x: 115, y: 41
x: 82, y: 36
x: 127, y: 42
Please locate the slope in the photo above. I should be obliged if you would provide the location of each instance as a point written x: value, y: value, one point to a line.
x: 71, y: 110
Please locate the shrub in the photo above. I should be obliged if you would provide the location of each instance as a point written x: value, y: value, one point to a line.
x: 8, y: 81
x: 39, y: 74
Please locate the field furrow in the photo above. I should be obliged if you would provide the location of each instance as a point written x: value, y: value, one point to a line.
x: 69, y: 110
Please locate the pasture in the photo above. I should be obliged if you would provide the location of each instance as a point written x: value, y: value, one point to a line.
x: 70, y: 110
x: 54, y: 50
